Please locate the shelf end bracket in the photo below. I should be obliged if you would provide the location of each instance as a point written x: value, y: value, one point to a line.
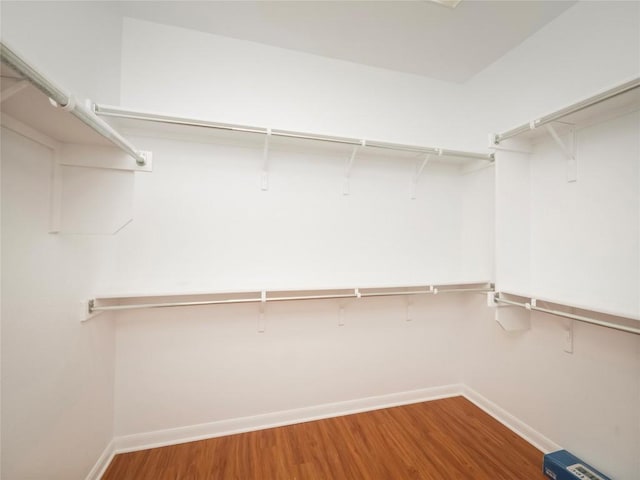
x: 569, y: 151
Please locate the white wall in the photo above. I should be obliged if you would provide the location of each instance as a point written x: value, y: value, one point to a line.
x: 182, y: 367
x: 195, y: 74
x: 57, y: 374
x: 202, y: 212
x: 77, y: 44
x: 585, y: 235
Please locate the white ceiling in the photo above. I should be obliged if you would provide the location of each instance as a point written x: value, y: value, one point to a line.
x: 419, y: 37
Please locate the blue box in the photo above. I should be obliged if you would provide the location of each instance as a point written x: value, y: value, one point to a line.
x: 562, y: 465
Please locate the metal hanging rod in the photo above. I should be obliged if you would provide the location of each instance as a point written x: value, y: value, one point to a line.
x: 574, y: 108
x: 117, y: 112
x: 67, y: 102
x: 532, y: 306
x: 263, y: 298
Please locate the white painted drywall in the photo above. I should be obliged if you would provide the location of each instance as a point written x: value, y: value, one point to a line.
x: 203, y: 213
x: 194, y: 74
x: 513, y: 218
x: 76, y: 44
x: 585, y: 235
x: 180, y: 367
x: 57, y: 374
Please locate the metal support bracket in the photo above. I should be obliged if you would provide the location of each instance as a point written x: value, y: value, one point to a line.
x: 511, y: 318
x: 568, y: 336
x: 349, y: 167
x: 265, y: 162
x: 409, y: 309
x: 568, y: 150
x: 341, y: 316
x: 419, y: 169
x: 261, y: 316
x: 86, y: 312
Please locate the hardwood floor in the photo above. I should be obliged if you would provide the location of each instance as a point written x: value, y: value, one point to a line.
x: 442, y: 439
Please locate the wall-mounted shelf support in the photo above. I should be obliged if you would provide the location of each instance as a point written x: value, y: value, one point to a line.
x: 568, y: 336
x: 348, y: 169
x: 569, y: 150
x: 261, y: 317
x: 265, y: 162
x: 420, y: 166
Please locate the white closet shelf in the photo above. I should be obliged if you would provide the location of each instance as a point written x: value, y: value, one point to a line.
x: 32, y: 101
x: 183, y: 299
x: 620, y: 99
x: 139, y: 122
x: 623, y: 321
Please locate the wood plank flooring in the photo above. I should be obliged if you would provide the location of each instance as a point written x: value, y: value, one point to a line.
x: 442, y: 439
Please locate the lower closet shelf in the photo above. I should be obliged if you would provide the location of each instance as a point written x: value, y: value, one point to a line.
x: 623, y: 322
x: 129, y: 302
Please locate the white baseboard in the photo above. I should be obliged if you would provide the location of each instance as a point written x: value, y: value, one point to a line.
x: 531, y: 435
x: 160, y: 438
x: 103, y: 462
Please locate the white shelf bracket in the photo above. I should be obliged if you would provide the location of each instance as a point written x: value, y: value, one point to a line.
x: 265, y: 162
x: 261, y: 316
x: 341, y: 316
x: 349, y: 167
x: 13, y: 89
x: 409, y: 309
x: 568, y: 337
x: 85, y: 310
x: 513, y: 319
x: 419, y: 169
x: 568, y: 150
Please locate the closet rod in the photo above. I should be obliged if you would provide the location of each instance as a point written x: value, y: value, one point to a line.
x: 117, y: 112
x: 93, y: 308
x: 572, y: 316
x: 66, y: 101
x: 576, y: 107
x: 435, y: 291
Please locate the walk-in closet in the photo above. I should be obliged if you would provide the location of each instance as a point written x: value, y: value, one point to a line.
x: 320, y: 240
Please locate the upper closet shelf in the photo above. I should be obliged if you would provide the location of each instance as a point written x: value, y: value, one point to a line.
x: 619, y: 99
x: 30, y: 100
x: 148, y: 122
